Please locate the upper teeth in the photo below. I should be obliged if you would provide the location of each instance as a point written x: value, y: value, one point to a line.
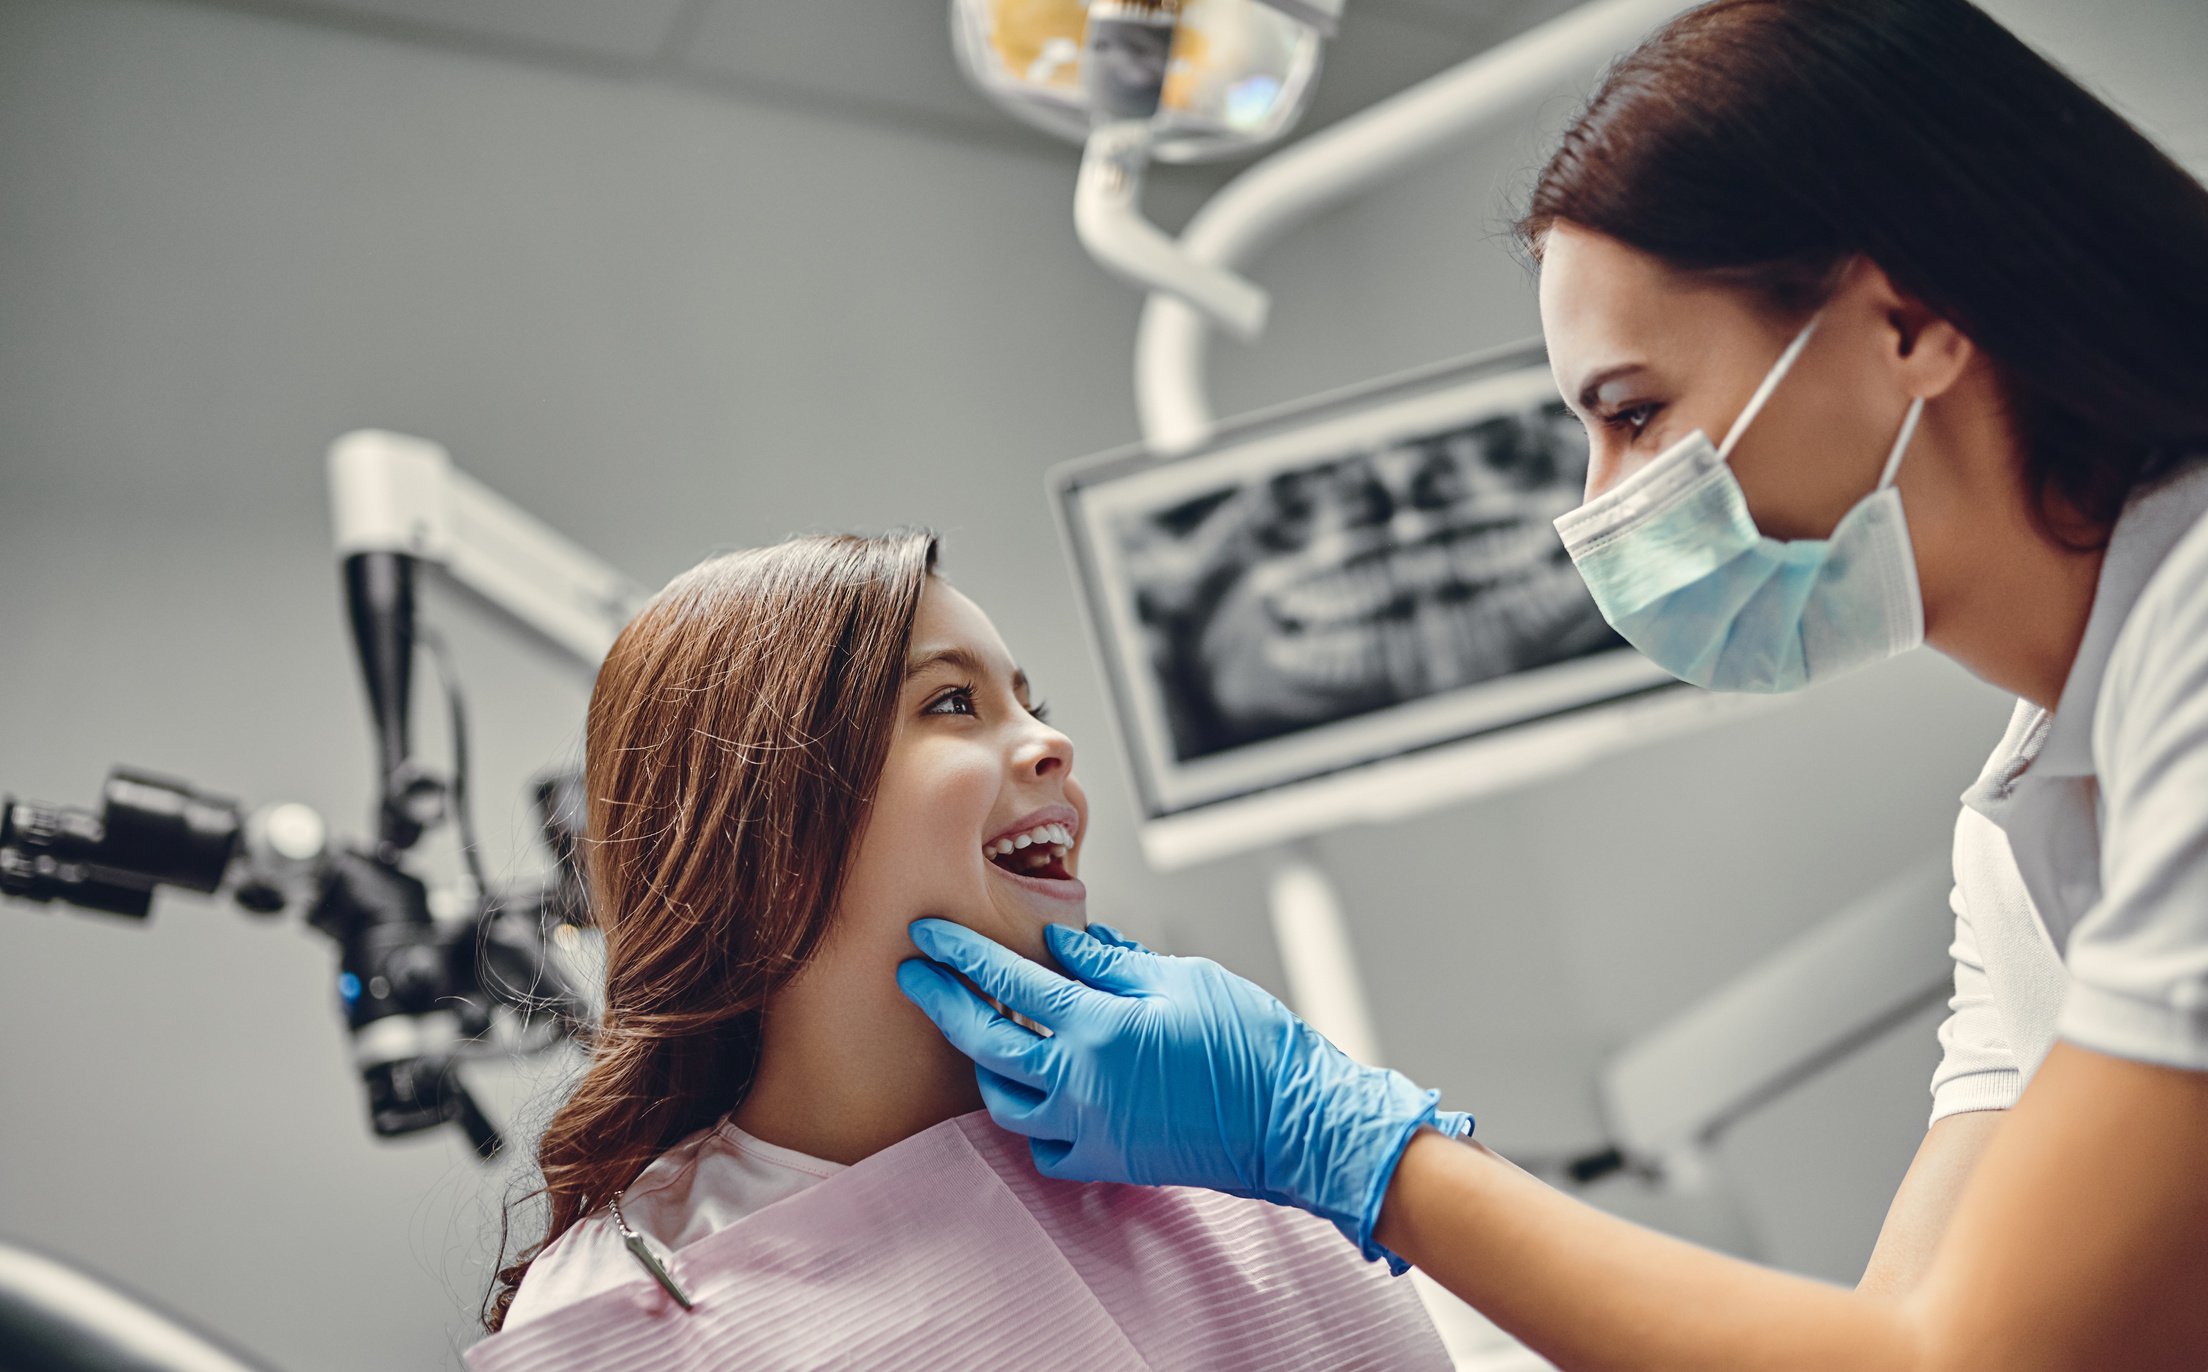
x: 1057, y: 835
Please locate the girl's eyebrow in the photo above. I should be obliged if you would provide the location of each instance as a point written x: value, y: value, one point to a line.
x: 964, y: 659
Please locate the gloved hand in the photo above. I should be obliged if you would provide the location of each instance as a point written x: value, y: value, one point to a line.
x: 1455, y: 1124
x: 1170, y: 1072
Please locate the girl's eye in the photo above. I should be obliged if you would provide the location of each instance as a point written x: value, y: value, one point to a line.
x: 1635, y: 418
x: 1041, y: 710
x: 957, y: 701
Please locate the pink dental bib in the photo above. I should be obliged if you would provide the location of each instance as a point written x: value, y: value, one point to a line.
x: 949, y: 1250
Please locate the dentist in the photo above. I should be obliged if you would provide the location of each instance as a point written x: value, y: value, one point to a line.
x: 1949, y: 315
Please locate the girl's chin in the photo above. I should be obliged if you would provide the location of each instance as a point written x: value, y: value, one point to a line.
x: 1019, y: 925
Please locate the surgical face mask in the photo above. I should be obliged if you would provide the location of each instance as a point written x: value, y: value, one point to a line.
x: 1677, y: 566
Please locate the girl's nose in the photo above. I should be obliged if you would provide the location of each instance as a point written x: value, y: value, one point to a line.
x: 1045, y: 752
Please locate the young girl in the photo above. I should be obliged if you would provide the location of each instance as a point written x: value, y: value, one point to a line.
x: 773, y: 1158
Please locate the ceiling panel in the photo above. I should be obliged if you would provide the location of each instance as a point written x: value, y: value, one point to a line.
x: 1485, y: 21
x: 1376, y: 55
x: 890, y: 60
x: 880, y: 55
x: 1448, y: 16
x: 627, y: 31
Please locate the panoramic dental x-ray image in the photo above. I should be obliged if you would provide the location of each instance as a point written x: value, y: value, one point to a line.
x: 1333, y: 588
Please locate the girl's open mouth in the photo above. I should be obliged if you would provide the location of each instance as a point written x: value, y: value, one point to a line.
x: 1036, y: 854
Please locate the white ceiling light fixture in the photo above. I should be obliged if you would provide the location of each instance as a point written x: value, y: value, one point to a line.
x: 1136, y: 80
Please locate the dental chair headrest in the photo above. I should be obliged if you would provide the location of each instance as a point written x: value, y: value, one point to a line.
x: 55, y: 1318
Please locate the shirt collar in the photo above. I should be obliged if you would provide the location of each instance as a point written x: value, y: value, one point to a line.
x: 2153, y: 521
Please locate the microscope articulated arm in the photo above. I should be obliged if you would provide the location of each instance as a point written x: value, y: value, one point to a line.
x: 390, y: 492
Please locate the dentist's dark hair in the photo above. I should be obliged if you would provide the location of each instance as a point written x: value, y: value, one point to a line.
x: 1767, y: 143
x: 736, y: 734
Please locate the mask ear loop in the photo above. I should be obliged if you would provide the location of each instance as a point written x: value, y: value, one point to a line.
x: 1771, y: 382
x: 1901, y: 442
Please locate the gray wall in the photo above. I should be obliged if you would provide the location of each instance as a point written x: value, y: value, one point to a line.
x: 669, y: 320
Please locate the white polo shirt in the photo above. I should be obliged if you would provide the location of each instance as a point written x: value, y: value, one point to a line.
x: 2081, y: 855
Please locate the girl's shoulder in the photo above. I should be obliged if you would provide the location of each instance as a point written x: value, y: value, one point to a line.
x: 704, y: 1183
x: 589, y: 1258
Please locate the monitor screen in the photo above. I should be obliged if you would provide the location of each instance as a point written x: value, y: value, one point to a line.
x: 1341, y: 582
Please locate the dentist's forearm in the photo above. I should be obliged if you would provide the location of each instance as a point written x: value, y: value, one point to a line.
x: 2076, y: 1240
x: 1590, y: 1291
x: 1924, y: 1207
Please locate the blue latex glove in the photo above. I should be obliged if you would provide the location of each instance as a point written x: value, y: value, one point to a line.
x: 1170, y: 1072
x: 1456, y: 1124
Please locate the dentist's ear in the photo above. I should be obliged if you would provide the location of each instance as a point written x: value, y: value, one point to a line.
x: 1928, y: 352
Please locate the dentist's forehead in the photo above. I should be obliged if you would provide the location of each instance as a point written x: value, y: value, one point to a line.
x: 1617, y: 314
x: 1602, y: 305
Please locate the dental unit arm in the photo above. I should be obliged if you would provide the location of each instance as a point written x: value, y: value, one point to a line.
x: 399, y: 499
x: 1670, y: 1094
x: 1107, y: 213
x: 1257, y: 209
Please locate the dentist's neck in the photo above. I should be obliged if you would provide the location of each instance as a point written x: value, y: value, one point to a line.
x: 2002, y: 595
x: 849, y: 1066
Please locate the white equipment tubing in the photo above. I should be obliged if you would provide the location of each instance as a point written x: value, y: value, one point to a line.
x: 1107, y: 214
x: 1345, y: 161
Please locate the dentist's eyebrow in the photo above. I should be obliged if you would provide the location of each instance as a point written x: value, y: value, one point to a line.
x: 965, y: 660
x: 1589, y: 391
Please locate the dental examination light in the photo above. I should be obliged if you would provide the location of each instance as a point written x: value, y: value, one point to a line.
x: 1137, y: 80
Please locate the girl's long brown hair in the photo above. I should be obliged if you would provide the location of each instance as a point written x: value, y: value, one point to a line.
x: 736, y: 733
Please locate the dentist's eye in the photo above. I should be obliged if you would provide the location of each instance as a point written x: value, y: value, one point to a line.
x: 1634, y: 419
x: 959, y: 700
